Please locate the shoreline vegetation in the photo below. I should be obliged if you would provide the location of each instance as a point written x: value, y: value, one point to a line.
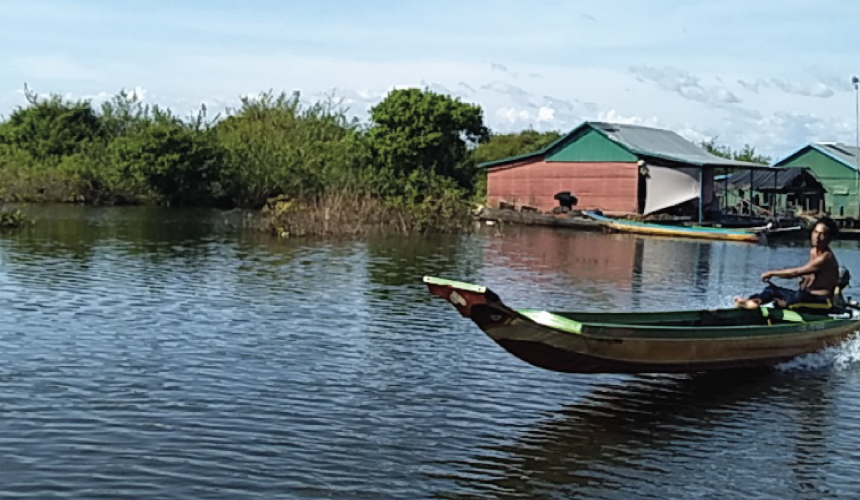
x: 10, y: 219
x: 326, y: 216
x: 307, y: 168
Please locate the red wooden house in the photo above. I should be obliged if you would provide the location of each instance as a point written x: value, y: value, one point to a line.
x: 617, y: 168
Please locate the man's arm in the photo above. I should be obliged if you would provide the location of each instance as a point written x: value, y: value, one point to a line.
x: 811, y: 267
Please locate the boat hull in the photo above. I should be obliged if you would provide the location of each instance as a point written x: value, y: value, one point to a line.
x: 715, y: 340
x: 751, y: 235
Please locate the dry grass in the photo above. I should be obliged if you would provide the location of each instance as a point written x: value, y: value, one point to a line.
x: 344, y: 214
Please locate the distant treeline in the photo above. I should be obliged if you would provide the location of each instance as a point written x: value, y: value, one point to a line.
x: 412, y: 166
x: 415, y: 158
x: 746, y: 153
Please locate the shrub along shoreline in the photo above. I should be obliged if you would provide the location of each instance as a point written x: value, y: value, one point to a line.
x: 11, y: 218
x: 308, y: 168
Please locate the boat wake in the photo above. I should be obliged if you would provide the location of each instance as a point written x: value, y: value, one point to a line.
x: 840, y: 357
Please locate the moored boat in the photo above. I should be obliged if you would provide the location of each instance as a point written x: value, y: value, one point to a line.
x: 646, y: 342
x: 752, y: 235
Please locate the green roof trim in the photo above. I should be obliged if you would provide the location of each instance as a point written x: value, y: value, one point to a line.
x: 591, y: 146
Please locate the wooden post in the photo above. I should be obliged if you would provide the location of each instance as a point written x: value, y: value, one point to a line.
x: 773, y: 197
x: 751, y: 193
x: 701, y: 192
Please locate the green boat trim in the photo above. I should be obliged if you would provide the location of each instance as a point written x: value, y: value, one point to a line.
x: 705, y: 323
x: 657, y: 327
x: 784, y: 315
x: 552, y: 320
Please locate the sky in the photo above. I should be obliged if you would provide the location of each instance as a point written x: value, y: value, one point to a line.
x: 772, y: 75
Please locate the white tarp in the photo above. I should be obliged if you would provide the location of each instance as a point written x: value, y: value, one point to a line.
x: 666, y: 187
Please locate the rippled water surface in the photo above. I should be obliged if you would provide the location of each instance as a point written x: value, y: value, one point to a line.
x: 153, y: 354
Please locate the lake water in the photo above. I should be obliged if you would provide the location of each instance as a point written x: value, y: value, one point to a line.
x: 153, y: 354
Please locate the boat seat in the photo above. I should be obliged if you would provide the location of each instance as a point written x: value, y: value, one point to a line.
x: 779, y: 314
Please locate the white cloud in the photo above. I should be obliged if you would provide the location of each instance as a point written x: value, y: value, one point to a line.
x: 808, y: 90
x: 442, y: 89
x: 613, y: 116
x: 753, y: 86
x: 822, y: 89
x: 518, y: 93
x: 551, y: 65
x: 513, y: 115
x: 545, y: 114
x: 466, y: 86
x: 685, y: 84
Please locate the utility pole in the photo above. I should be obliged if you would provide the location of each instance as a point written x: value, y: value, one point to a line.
x: 856, y: 82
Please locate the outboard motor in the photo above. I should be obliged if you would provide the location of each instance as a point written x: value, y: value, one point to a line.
x: 838, y: 298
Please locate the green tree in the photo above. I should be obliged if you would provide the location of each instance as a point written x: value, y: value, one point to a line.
x: 175, y: 160
x: 747, y: 153
x: 421, y: 131
x: 276, y: 146
x: 50, y: 128
x: 124, y: 114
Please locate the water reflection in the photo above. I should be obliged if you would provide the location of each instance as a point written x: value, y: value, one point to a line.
x: 157, y: 354
x: 584, y: 257
x: 79, y: 233
x: 811, y: 450
x: 635, y: 431
x: 661, y: 258
x: 620, y: 271
x: 396, y: 261
x: 596, y: 444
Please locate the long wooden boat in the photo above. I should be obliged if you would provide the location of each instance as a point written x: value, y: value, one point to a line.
x: 646, y: 342
x: 752, y: 235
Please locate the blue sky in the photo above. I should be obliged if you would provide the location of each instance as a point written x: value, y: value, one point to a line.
x: 775, y: 75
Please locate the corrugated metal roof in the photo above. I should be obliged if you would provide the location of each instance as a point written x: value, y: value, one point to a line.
x: 847, y: 155
x: 665, y: 144
x: 645, y: 142
x: 764, y: 179
x: 844, y: 153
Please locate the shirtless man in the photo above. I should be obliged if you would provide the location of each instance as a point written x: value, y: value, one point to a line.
x: 819, y: 276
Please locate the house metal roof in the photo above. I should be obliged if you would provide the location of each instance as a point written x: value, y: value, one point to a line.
x: 844, y: 153
x: 765, y: 179
x: 644, y: 142
x: 847, y: 155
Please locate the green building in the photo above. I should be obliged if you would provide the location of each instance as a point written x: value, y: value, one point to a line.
x: 835, y: 166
